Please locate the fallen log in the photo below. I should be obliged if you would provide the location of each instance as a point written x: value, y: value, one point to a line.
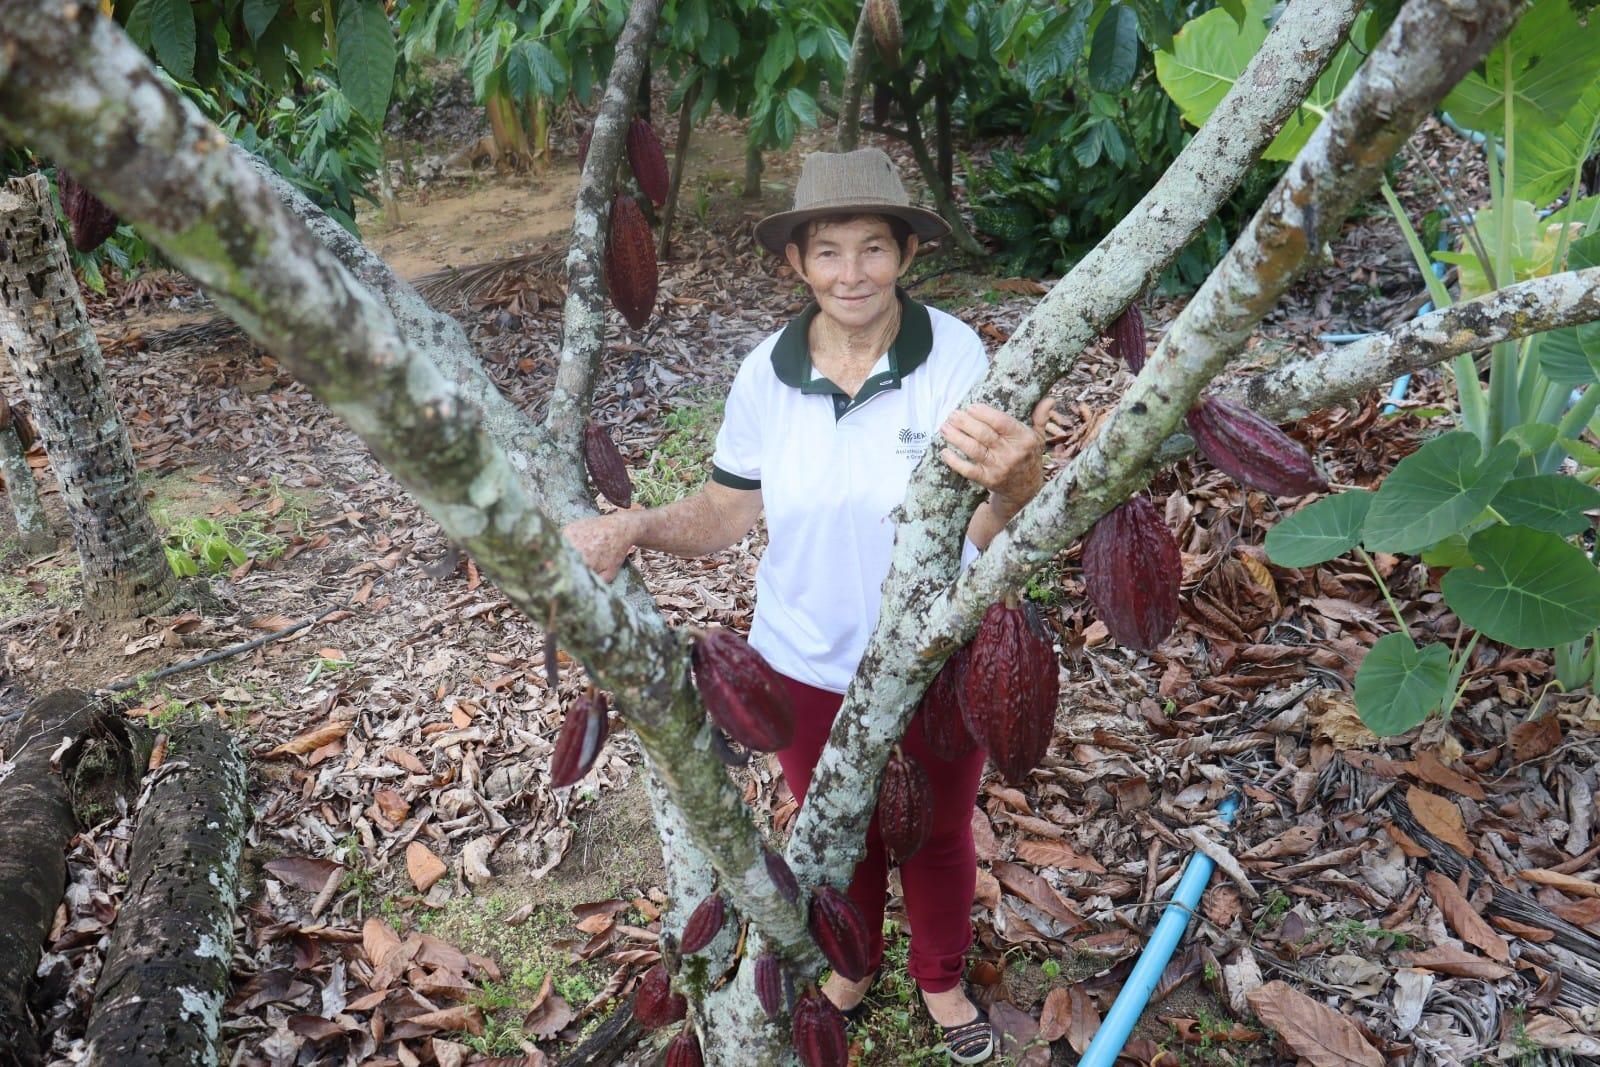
x: 68, y: 757
x: 159, y: 999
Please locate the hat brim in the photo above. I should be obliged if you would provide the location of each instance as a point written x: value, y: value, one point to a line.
x: 774, y: 231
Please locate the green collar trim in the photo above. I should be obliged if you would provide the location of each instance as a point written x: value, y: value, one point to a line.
x: 791, y: 355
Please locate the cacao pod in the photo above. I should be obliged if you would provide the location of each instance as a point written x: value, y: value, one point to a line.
x: 583, y: 146
x: 1010, y: 688
x: 649, y: 162
x: 769, y: 985
x: 884, y: 18
x: 684, y: 1051
x: 940, y: 711
x: 1251, y: 450
x: 705, y: 922
x: 905, y: 806
x: 819, y: 1037
x: 743, y: 694
x: 1128, y: 337
x: 583, y: 732
x: 630, y: 266
x: 782, y: 877
x: 1131, y: 570
x: 91, y: 221
x: 654, y: 1003
x: 840, y: 931
x: 607, y: 469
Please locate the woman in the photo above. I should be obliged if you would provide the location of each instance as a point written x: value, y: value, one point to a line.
x: 823, y: 425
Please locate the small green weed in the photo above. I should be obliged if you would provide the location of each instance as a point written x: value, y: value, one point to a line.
x: 1350, y: 933
x: 680, y: 463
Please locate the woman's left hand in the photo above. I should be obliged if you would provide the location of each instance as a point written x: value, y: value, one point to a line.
x: 1001, y: 454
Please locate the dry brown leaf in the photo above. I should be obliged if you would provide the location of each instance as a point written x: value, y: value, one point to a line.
x: 1565, y: 882
x: 1430, y: 768
x: 1295, y: 841
x: 1085, y: 1020
x: 468, y: 1017
x: 1407, y: 843
x: 392, y: 805
x: 311, y: 740
x: 1057, y: 854
x: 1447, y: 959
x: 1036, y: 891
x: 423, y: 866
x: 1440, y: 817
x: 1318, y: 1034
x: 303, y: 872
x: 1535, y: 738
x: 1056, y: 1015
x: 272, y: 623
x: 1537, y: 934
x: 1467, y: 923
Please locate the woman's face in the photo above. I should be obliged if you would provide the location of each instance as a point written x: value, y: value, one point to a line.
x: 851, y: 268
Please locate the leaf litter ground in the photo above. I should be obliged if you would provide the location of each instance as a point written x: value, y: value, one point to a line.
x: 416, y: 892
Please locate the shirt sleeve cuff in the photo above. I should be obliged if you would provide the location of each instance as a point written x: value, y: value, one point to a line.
x: 969, y: 552
x: 733, y: 481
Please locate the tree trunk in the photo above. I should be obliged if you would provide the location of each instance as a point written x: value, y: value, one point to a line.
x: 943, y: 202
x: 33, y: 529
x: 680, y: 156
x: 40, y: 797
x: 159, y: 999
x: 850, y: 107
x: 942, y: 140
x: 45, y: 333
x: 752, y: 170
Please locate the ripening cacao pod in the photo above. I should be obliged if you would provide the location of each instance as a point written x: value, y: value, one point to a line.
x: 91, y: 221
x: 1128, y: 337
x: 743, y: 694
x: 882, y: 99
x: 685, y: 1050
x: 583, y: 146
x: 649, y: 162
x: 1131, y: 569
x: 607, y: 469
x: 782, y: 877
x: 630, y: 266
x: 1010, y: 688
x: 905, y: 806
x: 840, y: 931
x: 705, y: 922
x: 819, y: 1037
x: 883, y: 16
x: 940, y: 711
x: 583, y: 732
x: 1251, y: 450
x: 769, y: 985
x: 654, y: 1003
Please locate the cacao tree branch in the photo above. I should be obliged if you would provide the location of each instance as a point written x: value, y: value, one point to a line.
x: 831, y: 827
x: 1422, y: 55
x: 81, y: 91
x: 943, y: 198
x: 850, y: 116
x: 33, y: 526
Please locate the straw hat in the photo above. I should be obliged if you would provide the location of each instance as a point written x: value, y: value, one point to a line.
x: 861, y: 182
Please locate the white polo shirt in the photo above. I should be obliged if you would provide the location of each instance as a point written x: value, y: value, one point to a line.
x: 830, y: 469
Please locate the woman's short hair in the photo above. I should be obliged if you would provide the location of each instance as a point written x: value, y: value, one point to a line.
x: 899, y: 228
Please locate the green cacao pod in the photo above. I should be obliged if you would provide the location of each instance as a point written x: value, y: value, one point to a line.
x: 1251, y: 450
x: 1010, y: 689
x: 1132, y: 569
x: 745, y: 696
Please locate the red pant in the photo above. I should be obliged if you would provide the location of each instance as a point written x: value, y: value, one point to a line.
x: 939, y: 878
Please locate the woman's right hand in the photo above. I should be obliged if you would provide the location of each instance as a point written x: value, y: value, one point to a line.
x: 605, y: 540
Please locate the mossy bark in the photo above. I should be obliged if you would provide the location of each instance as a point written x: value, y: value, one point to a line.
x: 33, y: 528
x: 45, y: 333
x: 159, y: 999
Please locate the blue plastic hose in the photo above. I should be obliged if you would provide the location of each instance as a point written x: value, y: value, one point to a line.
x: 1152, y: 962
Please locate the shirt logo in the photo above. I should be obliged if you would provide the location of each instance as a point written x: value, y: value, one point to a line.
x: 913, y: 443
x: 908, y: 436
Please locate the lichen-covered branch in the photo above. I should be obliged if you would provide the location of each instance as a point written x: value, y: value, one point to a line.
x: 1425, y: 52
x: 850, y: 110
x: 896, y: 667
x: 584, y: 314
x: 33, y: 527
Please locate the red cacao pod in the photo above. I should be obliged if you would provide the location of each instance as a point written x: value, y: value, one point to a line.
x: 940, y: 711
x: 1128, y: 337
x: 91, y: 221
x: 649, y: 161
x: 583, y: 732
x: 684, y: 1051
x: 654, y: 1003
x: 630, y: 265
x: 1132, y: 569
x: 905, y: 806
x: 840, y: 931
x: 819, y: 1037
x: 607, y: 469
x: 745, y: 696
x: 782, y: 877
x: 1010, y: 688
x: 705, y: 922
x: 883, y: 16
x: 769, y: 985
x: 1251, y: 450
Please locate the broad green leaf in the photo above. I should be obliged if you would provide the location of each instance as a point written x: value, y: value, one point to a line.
x: 1532, y: 438
x: 366, y: 56
x: 777, y: 59
x: 172, y: 35
x: 1554, y: 503
x: 1586, y: 454
x: 1526, y: 230
x: 803, y: 106
x: 1056, y: 50
x: 1530, y: 589
x: 1451, y: 552
x: 1548, y: 153
x: 1398, y: 685
x: 1114, y: 49
x: 1435, y: 492
x: 1321, y: 531
x: 1571, y: 356
x: 1552, y: 59
x: 258, y: 15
